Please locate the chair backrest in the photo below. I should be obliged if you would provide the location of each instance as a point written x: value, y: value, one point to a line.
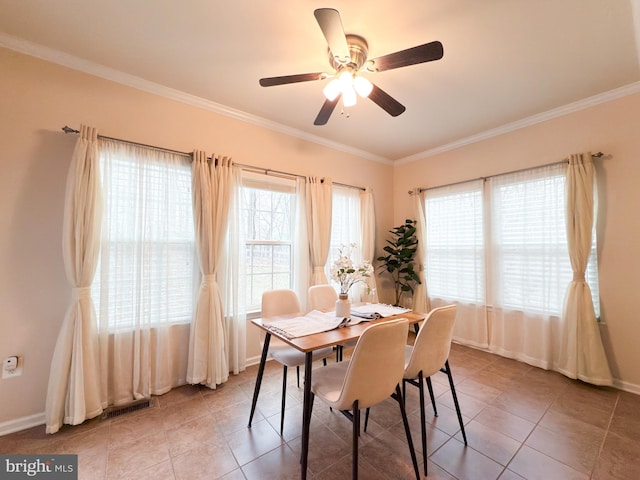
x: 322, y: 297
x: 433, y: 343
x: 376, y: 365
x: 280, y: 302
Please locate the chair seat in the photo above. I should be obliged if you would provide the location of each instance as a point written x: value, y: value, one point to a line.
x: 291, y: 357
x: 328, y: 382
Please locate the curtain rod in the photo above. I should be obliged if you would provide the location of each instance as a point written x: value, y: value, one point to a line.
x: 420, y: 190
x: 266, y: 171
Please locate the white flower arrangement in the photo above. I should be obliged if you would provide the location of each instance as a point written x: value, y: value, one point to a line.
x: 344, y: 272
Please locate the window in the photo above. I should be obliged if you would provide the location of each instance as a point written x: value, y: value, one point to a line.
x: 507, y: 233
x: 267, y: 208
x: 148, y: 267
x: 531, y: 267
x: 345, y: 225
x: 455, y: 242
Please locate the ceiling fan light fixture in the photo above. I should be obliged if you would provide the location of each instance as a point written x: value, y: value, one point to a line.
x: 346, y: 80
x: 362, y: 86
x: 349, y: 97
x: 332, y: 89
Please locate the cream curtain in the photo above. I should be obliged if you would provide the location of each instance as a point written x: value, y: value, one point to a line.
x: 527, y: 210
x: 368, y: 231
x: 420, y: 298
x: 455, y: 257
x: 232, y: 281
x: 582, y: 354
x: 145, y: 282
x: 319, y: 197
x: 74, y: 393
x: 213, y: 184
x: 301, y: 252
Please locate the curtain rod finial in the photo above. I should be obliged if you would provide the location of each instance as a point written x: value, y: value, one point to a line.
x: 67, y: 129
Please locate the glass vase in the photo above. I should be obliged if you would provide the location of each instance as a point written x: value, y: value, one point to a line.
x: 343, y: 306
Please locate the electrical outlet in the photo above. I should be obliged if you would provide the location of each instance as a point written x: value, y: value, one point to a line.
x: 12, y: 366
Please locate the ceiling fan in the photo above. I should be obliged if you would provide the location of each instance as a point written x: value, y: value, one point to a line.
x: 348, y: 57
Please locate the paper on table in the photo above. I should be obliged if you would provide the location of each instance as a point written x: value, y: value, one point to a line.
x: 371, y: 311
x: 313, y: 322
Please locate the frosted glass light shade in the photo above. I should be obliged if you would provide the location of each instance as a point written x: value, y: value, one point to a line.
x: 332, y: 89
x: 362, y: 86
x: 346, y: 80
x: 349, y: 97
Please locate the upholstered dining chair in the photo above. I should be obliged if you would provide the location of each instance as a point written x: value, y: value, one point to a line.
x: 323, y: 298
x: 276, y: 303
x: 371, y: 375
x: 429, y: 355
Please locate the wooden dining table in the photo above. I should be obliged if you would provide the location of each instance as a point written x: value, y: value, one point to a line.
x: 307, y: 345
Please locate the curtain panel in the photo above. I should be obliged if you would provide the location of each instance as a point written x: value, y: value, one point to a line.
x: 232, y: 281
x: 582, y: 354
x: 319, y: 198
x: 368, y: 242
x: 455, y: 257
x: 213, y: 187
x: 73, y: 393
x: 420, y: 298
x: 145, y: 282
x: 301, y: 252
x: 528, y: 263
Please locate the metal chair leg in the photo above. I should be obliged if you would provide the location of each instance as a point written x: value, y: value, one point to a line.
x: 455, y: 400
x: 423, y: 422
x: 433, y: 398
x: 356, y: 434
x: 398, y: 397
x: 366, y: 419
x: 284, y: 397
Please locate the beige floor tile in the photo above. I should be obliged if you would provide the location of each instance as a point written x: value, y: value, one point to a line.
x: 533, y: 465
x: 522, y: 423
x: 493, y: 444
x: 619, y: 460
x: 506, y: 423
x: 465, y: 463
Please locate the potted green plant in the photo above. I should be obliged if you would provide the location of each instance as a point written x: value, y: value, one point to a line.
x: 399, y: 259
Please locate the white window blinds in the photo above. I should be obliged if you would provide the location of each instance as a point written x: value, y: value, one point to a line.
x: 503, y: 242
x: 530, y: 258
x: 267, y: 207
x: 147, y: 268
x: 455, y: 242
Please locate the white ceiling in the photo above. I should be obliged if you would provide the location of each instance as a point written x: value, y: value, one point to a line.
x: 505, y: 61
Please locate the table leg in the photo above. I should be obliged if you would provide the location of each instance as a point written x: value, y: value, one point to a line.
x: 256, y: 389
x: 306, y: 414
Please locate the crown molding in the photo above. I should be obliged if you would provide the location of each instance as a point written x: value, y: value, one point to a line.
x: 75, y: 63
x: 92, y: 68
x: 588, y: 102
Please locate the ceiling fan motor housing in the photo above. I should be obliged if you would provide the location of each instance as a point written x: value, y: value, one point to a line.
x: 358, y: 50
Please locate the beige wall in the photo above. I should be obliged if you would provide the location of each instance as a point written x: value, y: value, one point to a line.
x: 37, y: 99
x: 614, y: 129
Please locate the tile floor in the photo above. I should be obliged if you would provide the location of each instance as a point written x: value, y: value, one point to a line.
x: 521, y: 423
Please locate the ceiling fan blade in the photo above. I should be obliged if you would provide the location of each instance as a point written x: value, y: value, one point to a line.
x: 326, y: 111
x: 331, y: 26
x: 386, y: 102
x: 411, y: 56
x: 301, y: 77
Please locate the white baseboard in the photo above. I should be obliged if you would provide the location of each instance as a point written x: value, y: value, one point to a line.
x: 23, y: 423
x: 626, y: 386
